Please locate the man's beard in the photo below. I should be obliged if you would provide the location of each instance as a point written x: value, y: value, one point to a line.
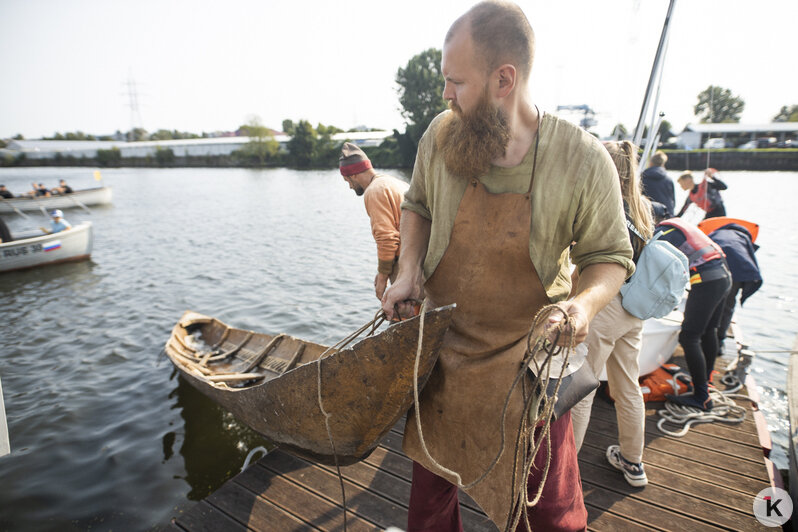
x: 359, y: 190
x: 470, y: 142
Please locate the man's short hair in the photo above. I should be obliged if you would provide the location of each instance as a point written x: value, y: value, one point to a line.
x: 659, y: 158
x: 501, y: 33
x: 687, y: 175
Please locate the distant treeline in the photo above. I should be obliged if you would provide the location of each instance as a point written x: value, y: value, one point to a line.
x: 388, y: 155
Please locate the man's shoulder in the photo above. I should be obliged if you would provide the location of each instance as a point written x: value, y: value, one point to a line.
x: 653, y: 172
x: 388, y: 181
x: 563, y: 135
x: 428, y: 138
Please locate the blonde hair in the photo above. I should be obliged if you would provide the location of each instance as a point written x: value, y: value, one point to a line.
x: 624, y: 155
x: 687, y: 175
x: 659, y: 158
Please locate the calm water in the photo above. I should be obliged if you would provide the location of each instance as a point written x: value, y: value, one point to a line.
x: 104, y: 436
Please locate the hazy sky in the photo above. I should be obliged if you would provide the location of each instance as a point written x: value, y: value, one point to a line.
x: 207, y: 66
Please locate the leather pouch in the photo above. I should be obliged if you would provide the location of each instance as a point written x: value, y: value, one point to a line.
x: 573, y: 389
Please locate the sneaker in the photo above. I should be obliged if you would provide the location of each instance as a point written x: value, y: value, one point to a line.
x: 690, y: 400
x: 633, y: 473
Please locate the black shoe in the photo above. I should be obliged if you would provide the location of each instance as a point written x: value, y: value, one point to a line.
x: 691, y: 401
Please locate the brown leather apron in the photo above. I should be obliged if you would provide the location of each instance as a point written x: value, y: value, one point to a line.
x: 488, y: 272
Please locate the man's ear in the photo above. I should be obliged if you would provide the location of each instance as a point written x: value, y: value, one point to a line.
x: 507, y: 78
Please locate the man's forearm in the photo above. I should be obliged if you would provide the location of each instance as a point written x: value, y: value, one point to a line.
x: 598, y: 284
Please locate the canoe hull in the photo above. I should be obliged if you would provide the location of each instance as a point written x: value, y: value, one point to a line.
x: 90, y: 196
x: 365, y: 390
x: 67, y: 246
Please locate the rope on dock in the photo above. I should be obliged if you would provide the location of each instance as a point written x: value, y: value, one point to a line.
x: 724, y: 409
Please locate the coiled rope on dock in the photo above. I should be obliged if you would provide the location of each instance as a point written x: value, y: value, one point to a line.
x: 723, y: 409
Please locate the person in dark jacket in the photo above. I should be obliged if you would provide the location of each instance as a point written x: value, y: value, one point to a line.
x: 5, y: 193
x: 736, y: 242
x: 705, y: 194
x: 657, y: 186
x: 709, y: 284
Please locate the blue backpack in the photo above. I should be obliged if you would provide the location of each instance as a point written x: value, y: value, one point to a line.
x: 659, y: 281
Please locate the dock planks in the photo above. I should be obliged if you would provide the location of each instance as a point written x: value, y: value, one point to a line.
x: 705, y: 480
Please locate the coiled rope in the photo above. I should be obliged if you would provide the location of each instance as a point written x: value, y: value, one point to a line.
x: 723, y: 409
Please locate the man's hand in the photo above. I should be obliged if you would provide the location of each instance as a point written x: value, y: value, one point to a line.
x: 581, y: 323
x: 380, y: 282
x: 597, y: 285
x: 401, y: 295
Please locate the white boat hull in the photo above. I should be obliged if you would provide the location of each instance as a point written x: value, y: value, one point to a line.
x: 660, y: 338
x: 66, y: 246
x: 91, y: 196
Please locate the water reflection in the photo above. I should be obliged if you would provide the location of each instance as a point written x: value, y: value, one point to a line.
x: 214, y: 444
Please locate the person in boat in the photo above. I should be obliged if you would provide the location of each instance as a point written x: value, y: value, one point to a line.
x: 62, y: 188
x: 615, y: 338
x: 657, y: 186
x: 499, y: 192
x: 57, y: 222
x: 5, y: 193
x: 382, y: 196
x: 705, y: 194
x: 710, y: 281
x: 736, y: 242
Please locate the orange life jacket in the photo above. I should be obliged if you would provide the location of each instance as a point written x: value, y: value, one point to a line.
x: 698, y: 247
x: 666, y: 379
x: 698, y: 195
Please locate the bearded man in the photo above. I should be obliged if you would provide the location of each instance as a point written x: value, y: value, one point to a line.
x: 498, y: 196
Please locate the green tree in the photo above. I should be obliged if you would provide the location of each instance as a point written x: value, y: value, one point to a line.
x: 421, y: 97
x: 164, y: 156
x: 112, y: 157
x: 162, y: 134
x: 717, y: 105
x: 665, y: 130
x: 261, y: 143
x: 619, y: 132
x: 302, y: 146
x: 136, y: 135
x: 288, y: 126
x: 787, y: 114
x: 326, y: 151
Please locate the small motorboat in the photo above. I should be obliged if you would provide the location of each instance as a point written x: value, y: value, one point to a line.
x: 326, y: 405
x: 31, y: 249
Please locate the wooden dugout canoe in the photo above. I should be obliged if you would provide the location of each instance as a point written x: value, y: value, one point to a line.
x: 270, y: 383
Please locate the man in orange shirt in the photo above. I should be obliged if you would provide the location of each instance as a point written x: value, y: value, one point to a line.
x: 382, y: 195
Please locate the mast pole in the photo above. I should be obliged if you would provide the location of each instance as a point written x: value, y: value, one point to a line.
x: 658, y: 61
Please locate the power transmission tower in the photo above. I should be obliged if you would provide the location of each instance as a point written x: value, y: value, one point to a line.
x: 133, y: 102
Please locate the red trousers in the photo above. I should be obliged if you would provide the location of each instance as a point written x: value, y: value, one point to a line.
x: 434, y: 506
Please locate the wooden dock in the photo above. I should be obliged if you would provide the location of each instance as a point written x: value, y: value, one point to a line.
x: 706, y: 480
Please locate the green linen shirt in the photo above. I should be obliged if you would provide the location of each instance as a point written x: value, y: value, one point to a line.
x: 576, y: 197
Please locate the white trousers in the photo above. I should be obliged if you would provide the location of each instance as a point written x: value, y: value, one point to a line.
x: 614, y: 339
